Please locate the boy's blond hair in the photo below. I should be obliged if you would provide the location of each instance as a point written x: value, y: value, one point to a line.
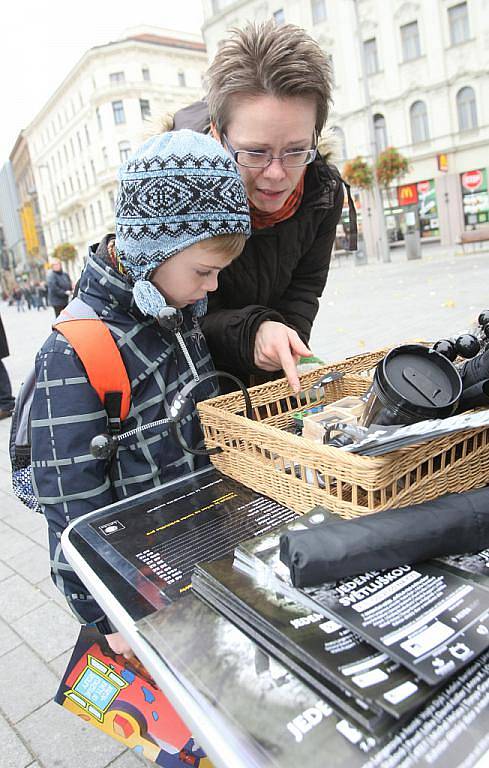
x: 231, y: 244
x: 266, y: 59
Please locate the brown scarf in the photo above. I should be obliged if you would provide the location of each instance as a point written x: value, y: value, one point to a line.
x: 261, y: 219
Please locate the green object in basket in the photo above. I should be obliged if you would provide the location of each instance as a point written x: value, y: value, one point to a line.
x: 313, y: 359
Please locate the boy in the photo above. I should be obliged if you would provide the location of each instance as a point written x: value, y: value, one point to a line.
x: 181, y: 216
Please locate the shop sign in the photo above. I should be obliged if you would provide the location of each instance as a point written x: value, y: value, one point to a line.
x: 475, y: 180
x: 427, y: 199
x: 407, y: 194
x: 475, y: 197
x: 442, y: 161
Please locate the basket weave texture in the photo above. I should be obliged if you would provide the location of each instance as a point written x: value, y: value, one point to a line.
x: 301, y: 474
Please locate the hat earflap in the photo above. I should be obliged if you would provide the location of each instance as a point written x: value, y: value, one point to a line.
x: 148, y: 298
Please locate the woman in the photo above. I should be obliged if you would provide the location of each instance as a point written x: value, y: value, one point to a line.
x: 269, y: 90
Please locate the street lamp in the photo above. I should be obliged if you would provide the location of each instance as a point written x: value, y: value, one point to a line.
x: 381, y: 243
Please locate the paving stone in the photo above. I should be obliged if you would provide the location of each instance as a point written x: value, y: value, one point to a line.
x: 18, y: 597
x: 13, y: 543
x: 5, y: 571
x: 33, y: 564
x: 59, y: 664
x: 47, y: 588
x: 48, y: 630
x: 26, y: 521
x: 8, y: 640
x: 7, y: 500
x: 28, y: 681
x: 39, y: 536
x: 13, y: 753
x: 60, y: 738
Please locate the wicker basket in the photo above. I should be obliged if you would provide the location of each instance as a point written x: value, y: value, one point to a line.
x: 302, y: 474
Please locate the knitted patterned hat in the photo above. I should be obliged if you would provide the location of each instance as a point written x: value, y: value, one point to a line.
x: 177, y: 189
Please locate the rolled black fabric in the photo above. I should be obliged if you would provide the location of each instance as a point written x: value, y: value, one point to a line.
x: 453, y: 524
x: 475, y: 396
x: 475, y: 370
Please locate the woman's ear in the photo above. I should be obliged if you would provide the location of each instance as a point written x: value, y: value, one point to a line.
x: 214, y: 132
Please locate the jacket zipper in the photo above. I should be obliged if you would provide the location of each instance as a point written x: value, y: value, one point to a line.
x: 186, y: 354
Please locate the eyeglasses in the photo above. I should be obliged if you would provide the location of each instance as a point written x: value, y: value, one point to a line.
x: 262, y: 159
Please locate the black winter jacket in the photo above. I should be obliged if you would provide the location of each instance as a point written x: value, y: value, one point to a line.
x: 58, y: 284
x: 281, y: 273
x: 66, y: 415
x: 4, y: 350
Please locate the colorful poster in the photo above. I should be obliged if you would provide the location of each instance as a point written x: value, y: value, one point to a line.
x: 121, y: 699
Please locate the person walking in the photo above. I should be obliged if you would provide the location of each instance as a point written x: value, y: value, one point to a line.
x: 59, y: 288
x: 7, y: 400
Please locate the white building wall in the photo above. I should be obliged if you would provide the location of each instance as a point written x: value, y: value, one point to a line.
x: 75, y: 143
x: 9, y: 217
x: 435, y: 77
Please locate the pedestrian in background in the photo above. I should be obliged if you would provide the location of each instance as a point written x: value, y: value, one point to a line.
x: 59, y: 288
x: 7, y: 401
x: 18, y: 298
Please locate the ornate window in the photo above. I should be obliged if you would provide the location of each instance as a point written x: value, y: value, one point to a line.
x: 418, y: 116
x: 466, y: 109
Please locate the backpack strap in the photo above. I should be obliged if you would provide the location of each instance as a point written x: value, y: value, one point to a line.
x: 101, y: 358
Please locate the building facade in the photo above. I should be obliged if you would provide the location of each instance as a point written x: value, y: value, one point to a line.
x: 14, y: 256
x: 29, y: 213
x: 100, y: 113
x: 427, y: 70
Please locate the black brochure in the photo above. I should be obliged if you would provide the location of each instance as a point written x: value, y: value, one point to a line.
x: 474, y: 567
x: 155, y: 544
x: 365, y: 717
x: 286, y: 724
x: 425, y: 617
x: 324, y: 645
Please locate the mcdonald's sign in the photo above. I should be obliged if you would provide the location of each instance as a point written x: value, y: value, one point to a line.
x: 407, y: 194
x: 442, y: 161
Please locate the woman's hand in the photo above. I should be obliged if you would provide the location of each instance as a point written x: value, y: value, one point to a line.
x: 279, y: 347
x: 119, y: 645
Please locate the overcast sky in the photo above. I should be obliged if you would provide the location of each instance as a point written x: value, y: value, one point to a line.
x: 41, y: 42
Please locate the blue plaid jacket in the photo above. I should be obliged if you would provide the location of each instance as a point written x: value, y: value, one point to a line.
x: 67, y: 413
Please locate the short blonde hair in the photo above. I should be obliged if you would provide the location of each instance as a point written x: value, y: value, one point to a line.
x: 268, y: 59
x: 231, y: 244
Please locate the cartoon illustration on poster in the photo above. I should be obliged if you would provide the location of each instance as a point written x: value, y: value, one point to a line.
x: 121, y: 699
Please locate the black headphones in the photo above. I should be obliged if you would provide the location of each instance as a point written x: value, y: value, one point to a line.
x: 181, y: 406
x: 104, y: 446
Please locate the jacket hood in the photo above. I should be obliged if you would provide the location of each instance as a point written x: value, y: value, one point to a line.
x: 99, y: 281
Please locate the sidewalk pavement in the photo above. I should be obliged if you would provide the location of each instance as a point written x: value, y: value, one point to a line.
x: 37, y: 630
x: 363, y: 308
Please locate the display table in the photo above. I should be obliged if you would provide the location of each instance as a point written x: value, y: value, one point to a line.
x: 243, y: 707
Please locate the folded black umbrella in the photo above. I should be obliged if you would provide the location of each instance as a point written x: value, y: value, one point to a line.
x: 453, y: 524
x: 475, y: 396
x: 475, y: 370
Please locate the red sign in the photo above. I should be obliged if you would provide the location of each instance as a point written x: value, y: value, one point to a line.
x: 423, y: 187
x: 407, y: 194
x: 472, y: 179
